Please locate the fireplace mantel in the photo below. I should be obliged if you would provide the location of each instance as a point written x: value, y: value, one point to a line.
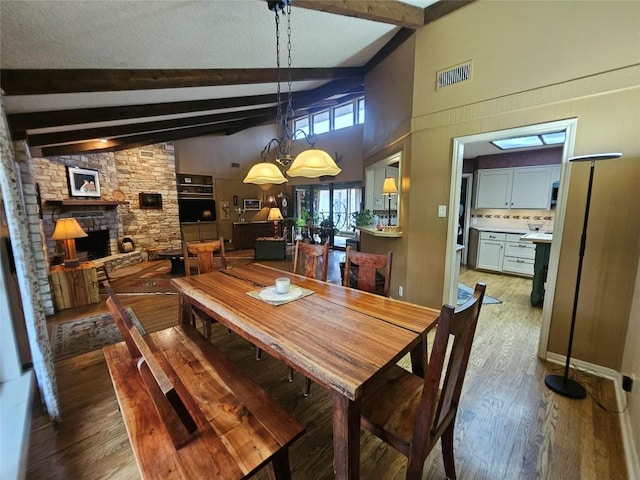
x: 68, y: 203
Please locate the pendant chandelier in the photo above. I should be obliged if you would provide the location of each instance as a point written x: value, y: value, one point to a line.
x: 311, y: 163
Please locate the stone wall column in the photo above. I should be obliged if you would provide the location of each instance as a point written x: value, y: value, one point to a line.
x: 26, y: 272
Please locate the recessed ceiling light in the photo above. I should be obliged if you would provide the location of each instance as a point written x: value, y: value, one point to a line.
x: 529, y: 141
x: 518, y: 142
x: 553, y: 138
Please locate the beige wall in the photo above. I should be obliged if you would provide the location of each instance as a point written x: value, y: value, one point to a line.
x: 389, y: 90
x: 631, y: 361
x: 569, y: 70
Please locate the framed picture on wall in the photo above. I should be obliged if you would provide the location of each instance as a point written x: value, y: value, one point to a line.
x: 83, y: 182
x: 150, y: 200
x: 252, y: 204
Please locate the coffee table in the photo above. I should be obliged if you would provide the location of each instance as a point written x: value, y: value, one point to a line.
x: 177, y: 259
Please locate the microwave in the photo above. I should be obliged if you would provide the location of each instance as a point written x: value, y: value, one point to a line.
x: 554, y: 194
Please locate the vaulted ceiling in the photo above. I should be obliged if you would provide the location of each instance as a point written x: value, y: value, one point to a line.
x: 133, y: 73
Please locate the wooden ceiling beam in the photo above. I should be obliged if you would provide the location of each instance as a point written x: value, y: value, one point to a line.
x: 135, y: 141
x: 19, y: 122
x: 441, y: 8
x: 56, y: 118
x: 83, y: 135
x: 393, y: 12
x: 50, y: 81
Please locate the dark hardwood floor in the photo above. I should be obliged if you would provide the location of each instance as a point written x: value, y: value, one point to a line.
x: 510, y: 426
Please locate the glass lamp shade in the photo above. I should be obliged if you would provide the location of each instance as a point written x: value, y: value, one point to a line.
x: 275, y: 214
x: 313, y: 163
x: 389, y: 186
x: 264, y: 172
x: 67, y: 228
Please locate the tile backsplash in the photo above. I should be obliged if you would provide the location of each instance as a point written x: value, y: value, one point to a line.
x: 520, y: 219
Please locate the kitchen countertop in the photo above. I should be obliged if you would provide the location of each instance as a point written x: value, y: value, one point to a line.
x: 537, y: 237
x: 373, y: 231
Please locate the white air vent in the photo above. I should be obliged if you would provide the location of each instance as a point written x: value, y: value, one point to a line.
x: 453, y: 75
x: 146, y: 153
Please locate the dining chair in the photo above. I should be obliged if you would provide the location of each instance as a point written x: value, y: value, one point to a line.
x: 364, y: 268
x: 412, y: 413
x: 204, y: 254
x: 311, y: 254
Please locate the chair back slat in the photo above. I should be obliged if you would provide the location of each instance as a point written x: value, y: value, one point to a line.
x: 367, y: 265
x: 312, y: 255
x: 454, y: 336
x: 205, y: 253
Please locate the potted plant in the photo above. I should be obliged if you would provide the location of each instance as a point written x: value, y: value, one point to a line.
x: 361, y: 218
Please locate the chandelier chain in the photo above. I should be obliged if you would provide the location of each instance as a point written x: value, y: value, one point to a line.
x: 278, y: 95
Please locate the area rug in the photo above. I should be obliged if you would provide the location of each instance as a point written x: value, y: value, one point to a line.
x: 87, y: 334
x: 465, y: 293
x: 152, y: 279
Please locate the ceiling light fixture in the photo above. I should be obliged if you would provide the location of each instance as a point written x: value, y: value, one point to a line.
x: 528, y: 141
x: 311, y: 163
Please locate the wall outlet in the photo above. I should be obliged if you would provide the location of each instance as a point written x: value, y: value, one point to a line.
x: 627, y: 383
x: 442, y: 211
x: 474, y: 221
x: 400, y: 291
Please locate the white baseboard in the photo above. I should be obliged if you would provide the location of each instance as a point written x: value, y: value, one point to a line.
x: 630, y: 451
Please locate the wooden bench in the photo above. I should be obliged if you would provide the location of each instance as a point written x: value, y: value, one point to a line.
x: 189, y: 411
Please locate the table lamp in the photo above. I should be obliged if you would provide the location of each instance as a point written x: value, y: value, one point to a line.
x: 67, y: 230
x: 276, y: 215
x: 389, y: 188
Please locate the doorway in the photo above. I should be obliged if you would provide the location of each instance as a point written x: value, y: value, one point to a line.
x: 327, y: 211
x: 451, y: 282
x: 464, y: 215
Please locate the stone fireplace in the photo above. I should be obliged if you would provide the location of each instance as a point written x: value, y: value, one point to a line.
x: 95, y: 245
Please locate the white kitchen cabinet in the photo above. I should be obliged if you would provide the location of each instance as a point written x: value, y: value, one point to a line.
x: 504, y: 252
x: 494, y: 188
x: 518, y: 256
x: 491, y: 251
x: 521, y: 188
x: 531, y: 188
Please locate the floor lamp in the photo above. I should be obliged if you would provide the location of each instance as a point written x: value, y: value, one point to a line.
x: 562, y: 384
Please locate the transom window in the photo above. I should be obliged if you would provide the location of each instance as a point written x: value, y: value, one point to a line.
x: 321, y: 121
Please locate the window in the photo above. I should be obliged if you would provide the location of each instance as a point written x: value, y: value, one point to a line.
x: 321, y: 122
x: 301, y: 123
x: 361, y: 110
x: 343, y: 116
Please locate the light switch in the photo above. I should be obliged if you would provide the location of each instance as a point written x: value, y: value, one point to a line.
x: 442, y: 211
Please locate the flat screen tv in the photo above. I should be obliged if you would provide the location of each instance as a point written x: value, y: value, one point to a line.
x: 196, y: 210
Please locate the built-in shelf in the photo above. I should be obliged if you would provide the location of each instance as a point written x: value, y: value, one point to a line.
x: 84, y: 203
x: 373, y: 231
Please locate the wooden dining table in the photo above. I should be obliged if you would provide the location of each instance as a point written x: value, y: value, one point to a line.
x: 339, y: 337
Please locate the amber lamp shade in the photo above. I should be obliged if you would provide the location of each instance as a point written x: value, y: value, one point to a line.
x: 389, y: 188
x: 276, y: 215
x: 67, y: 230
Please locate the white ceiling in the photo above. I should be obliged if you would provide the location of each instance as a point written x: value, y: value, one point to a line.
x: 141, y: 34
